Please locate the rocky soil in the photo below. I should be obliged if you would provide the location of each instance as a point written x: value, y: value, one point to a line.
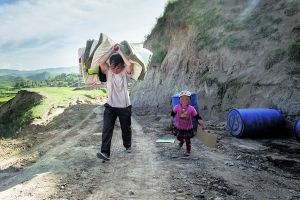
x: 58, y: 161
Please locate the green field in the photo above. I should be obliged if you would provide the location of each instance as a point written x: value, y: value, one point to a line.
x: 61, y: 97
x: 6, y: 92
x: 35, y: 106
x: 54, y: 97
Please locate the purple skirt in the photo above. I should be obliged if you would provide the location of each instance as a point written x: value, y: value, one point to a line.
x: 184, y: 133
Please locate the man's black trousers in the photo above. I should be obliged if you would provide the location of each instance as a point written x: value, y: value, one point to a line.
x: 109, y: 119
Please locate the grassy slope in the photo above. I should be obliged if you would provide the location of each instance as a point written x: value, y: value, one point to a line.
x: 53, y: 97
x: 61, y: 97
x: 220, y: 24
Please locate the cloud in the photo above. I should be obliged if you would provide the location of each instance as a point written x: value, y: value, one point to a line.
x: 35, y: 33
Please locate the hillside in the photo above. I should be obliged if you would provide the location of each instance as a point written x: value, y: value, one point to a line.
x: 53, y: 71
x: 39, y: 76
x: 9, y: 77
x: 17, y: 112
x: 40, y: 105
x: 231, y: 53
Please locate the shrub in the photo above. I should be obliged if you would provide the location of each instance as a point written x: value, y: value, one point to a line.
x: 159, y: 53
x: 266, y: 31
x: 292, y: 8
x: 293, y: 51
x: 231, y: 26
x: 236, y: 43
x: 204, y: 21
x: 275, y: 57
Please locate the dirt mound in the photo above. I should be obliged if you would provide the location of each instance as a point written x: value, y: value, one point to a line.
x: 17, y: 112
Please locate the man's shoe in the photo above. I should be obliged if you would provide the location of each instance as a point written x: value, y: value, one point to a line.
x: 103, y: 156
x: 128, y: 150
x: 187, y: 153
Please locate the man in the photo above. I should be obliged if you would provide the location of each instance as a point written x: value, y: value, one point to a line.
x: 118, y: 105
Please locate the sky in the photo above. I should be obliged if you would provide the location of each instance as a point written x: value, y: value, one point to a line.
x: 36, y: 34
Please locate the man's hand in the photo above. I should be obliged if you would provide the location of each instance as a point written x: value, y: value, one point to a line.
x: 116, y: 48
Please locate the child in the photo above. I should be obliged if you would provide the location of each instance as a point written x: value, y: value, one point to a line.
x: 183, y: 114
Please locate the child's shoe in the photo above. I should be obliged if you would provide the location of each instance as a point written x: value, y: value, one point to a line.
x: 180, y: 145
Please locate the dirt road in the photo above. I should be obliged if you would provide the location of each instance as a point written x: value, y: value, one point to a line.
x: 59, y: 161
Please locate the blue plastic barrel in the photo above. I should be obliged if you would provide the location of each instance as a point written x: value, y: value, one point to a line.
x: 255, y: 122
x: 297, y: 129
x: 193, y: 102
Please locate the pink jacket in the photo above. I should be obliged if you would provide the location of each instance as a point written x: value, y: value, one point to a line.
x: 183, y: 117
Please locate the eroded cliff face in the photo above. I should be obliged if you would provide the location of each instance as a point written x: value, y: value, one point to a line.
x: 16, y: 112
x: 232, y: 53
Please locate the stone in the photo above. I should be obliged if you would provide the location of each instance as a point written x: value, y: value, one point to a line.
x: 180, y: 191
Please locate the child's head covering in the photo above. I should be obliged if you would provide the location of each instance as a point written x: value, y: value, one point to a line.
x: 185, y: 93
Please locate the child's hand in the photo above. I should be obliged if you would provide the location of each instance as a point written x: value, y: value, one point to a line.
x: 201, y: 123
x: 172, y: 123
